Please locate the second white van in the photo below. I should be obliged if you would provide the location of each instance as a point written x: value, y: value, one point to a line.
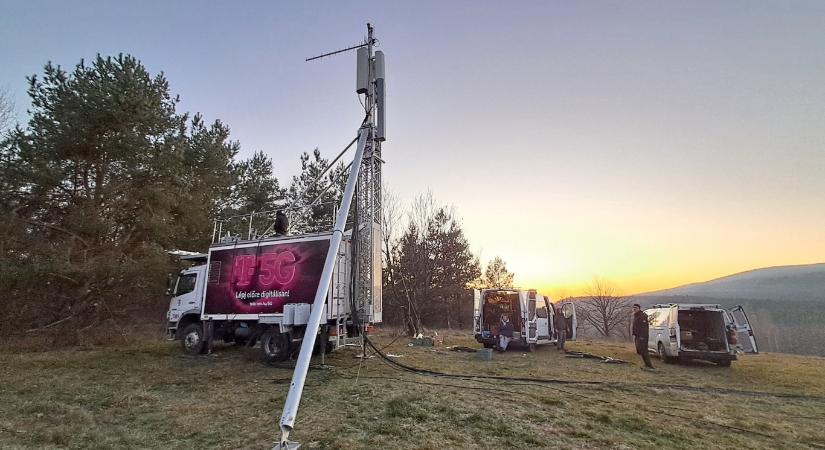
x: 683, y: 331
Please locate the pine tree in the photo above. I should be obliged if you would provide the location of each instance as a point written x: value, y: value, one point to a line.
x: 496, y: 275
x: 257, y: 188
x: 105, y: 177
x: 308, y: 186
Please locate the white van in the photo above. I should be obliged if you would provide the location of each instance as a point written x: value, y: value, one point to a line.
x: 532, y: 315
x: 707, y: 332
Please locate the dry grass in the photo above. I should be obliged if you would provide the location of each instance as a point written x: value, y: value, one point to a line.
x: 151, y: 396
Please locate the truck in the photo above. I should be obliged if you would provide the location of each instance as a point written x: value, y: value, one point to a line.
x: 260, y: 291
x: 532, y: 316
x: 693, y: 331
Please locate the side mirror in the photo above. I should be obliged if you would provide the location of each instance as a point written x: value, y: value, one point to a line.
x: 169, y: 292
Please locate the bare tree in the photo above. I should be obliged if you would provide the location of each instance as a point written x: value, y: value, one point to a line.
x: 6, y: 111
x: 428, y: 265
x: 391, y: 222
x: 604, y: 310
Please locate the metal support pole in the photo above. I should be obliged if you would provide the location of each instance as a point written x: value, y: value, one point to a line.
x: 296, y: 388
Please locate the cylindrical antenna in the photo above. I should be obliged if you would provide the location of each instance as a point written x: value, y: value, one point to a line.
x: 362, y: 77
x: 380, y: 95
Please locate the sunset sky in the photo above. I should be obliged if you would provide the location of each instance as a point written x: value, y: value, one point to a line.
x: 649, y: 143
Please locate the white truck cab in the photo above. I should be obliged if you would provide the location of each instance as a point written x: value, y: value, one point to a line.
x: 533, y: 317
x: 688, y: 331
x: 187, y: 293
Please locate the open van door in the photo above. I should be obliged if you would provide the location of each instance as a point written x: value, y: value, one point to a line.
x: 477, y: 311
x: 568, y: 310
x: 746, y: 341
x: 532, y: 318
x: 674, y: 330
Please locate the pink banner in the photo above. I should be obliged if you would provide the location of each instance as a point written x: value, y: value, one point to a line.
x: 263, y: 278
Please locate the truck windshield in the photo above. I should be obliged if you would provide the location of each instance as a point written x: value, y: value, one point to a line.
x: 186, y: 284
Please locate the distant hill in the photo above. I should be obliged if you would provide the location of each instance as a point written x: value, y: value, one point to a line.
x: 783, y: 283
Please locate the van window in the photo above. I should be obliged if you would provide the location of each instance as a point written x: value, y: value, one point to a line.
x: 658, y: 318
x: 186, y: 284
x: 541, y: 312
x: 662, y: 318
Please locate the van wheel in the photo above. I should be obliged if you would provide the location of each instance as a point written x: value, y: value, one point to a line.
x: 725, y: 363
x: 194, y: 341
x: 663, y: 355
x: 531, y: 348
x: 275, y: 346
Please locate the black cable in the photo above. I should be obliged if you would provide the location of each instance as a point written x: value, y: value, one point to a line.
x: 586, y: 382
x: 479, y: 378
x: 449, y: 385
x: 392, y: 342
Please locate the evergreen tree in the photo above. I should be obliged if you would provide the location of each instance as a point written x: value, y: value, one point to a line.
x: 431, y: 264
x: 257, y: 188
x: 496, y: 275
x: 105, y: 178
x: 308, y: 186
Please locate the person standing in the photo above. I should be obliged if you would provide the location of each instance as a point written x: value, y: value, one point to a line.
x: 561, y: 329
x: 505, y: 333
x: 641, y: 333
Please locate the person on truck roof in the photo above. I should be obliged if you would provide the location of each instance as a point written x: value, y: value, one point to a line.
x: 281, y: 223
x: 505, y: 333
x: 641, y: 333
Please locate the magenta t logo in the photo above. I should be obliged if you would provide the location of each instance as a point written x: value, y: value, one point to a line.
x: 243, y: 269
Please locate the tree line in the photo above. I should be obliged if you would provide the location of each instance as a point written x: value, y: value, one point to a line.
x: 108, y: 175
x: 105, y: 177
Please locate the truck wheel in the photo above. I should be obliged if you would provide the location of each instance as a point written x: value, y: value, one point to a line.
x: 275, y: 347
x: 725, y: 363
x: 194, y: 341
x: 663, y: 355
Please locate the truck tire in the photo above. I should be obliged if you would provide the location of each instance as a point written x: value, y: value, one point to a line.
x: 193, y: 339
x: 275, y: 346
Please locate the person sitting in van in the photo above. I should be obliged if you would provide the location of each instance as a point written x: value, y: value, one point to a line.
x: 505, y: 333
x: 641, y: 333
x: 732, y: 339
x: 561, y: 329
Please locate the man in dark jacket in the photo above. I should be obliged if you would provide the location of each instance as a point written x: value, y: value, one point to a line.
x: 505, y: 333
x: 561, y: 329
x: 281, y: 223
x: 641, y: 332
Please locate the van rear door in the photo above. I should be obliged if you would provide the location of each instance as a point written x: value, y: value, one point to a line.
x: 568, y: 309
x: 477, y: 311
x: 673, y: 325
x: 746, y: 341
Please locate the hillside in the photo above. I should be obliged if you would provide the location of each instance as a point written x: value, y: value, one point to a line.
x: 151, y: 396
x: 800, y: 283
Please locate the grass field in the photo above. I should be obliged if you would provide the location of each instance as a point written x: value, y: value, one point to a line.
x: 152, y: 396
